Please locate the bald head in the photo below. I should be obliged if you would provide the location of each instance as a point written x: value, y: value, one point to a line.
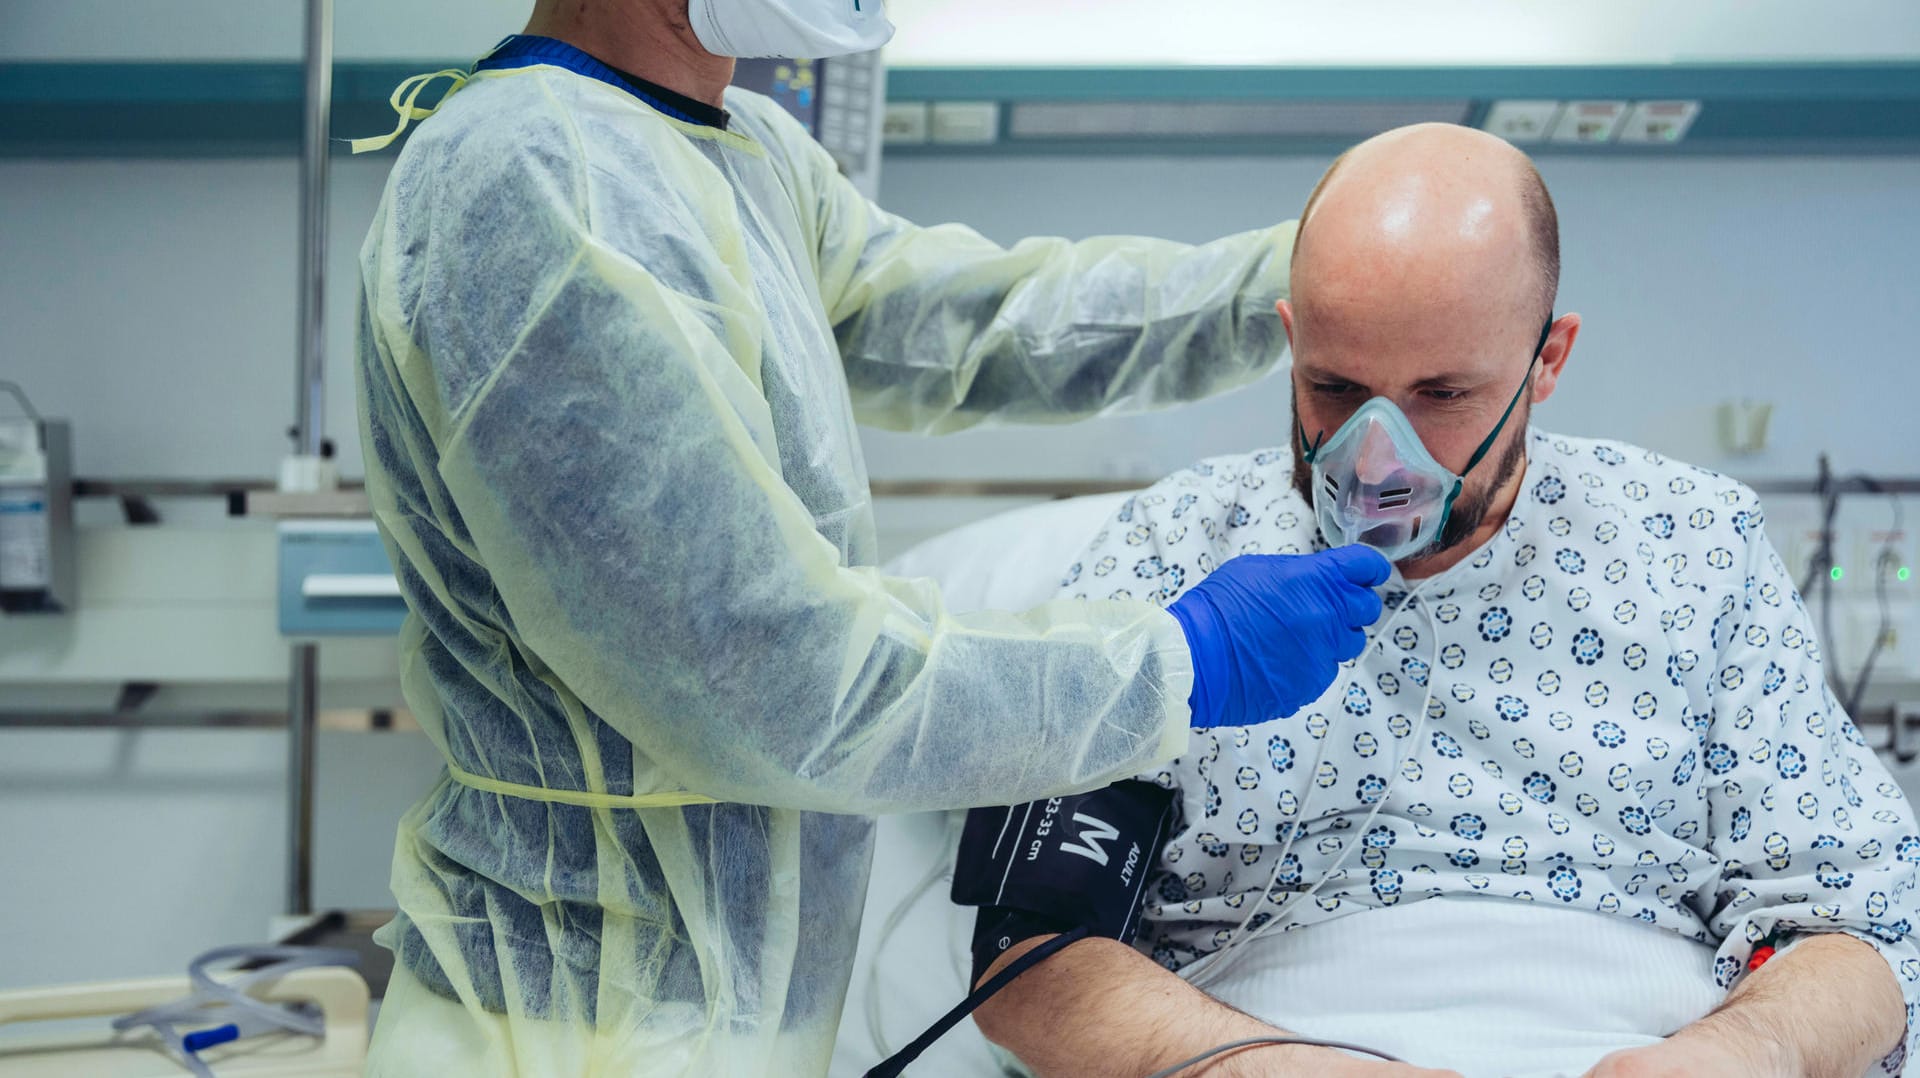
x: 1434, y: 206
x: 1425, y: 264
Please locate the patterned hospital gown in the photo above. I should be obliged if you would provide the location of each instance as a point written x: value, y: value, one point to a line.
x: 1628, y: 714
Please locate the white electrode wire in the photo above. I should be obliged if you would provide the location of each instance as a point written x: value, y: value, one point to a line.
x: 1280, y: 917
x: 1208, y: 967
x: 1198, y: 972
x: 1201, y: 971
x: 942, y: 865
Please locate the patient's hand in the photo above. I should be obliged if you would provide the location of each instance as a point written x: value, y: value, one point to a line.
x: 1827, y: 1007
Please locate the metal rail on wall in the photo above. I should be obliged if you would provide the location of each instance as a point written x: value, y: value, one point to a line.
x: 247, y: 497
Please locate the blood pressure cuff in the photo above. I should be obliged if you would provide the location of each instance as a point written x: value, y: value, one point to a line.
x: 1064, y: 863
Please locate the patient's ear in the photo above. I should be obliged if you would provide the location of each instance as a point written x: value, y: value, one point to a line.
x: 1286, y: 317
x: 1553, y: 357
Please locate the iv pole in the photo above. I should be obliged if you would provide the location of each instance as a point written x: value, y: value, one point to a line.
x: 309, y: 434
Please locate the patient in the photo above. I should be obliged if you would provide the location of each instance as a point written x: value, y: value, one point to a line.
x: 1595, y: 726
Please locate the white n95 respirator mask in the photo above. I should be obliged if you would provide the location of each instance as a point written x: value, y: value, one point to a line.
x: 1374, y: 482
x: 797, y: 29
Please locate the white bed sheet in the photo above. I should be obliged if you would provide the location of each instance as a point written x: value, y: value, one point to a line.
x: 1488, y: 987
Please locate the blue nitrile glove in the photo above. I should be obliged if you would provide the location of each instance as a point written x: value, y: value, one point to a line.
x: 1268, y: 631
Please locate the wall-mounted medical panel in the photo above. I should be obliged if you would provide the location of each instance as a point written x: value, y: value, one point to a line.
x: 336, y: 580
x: 254, y: 109
x: 1695, y: 108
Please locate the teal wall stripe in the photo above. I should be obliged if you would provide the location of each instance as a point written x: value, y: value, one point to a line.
x: 253, y: 109
x: 1736, y: 81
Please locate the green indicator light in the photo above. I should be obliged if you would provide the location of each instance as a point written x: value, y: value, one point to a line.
x: 1904, y: 574
x: 1837, y: 572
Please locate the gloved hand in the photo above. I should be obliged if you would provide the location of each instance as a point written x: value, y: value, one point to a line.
x: 1268, y: 631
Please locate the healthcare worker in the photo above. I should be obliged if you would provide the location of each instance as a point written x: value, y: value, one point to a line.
x: 617, y: 329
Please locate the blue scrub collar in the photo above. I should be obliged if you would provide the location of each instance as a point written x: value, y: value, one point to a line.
x: 529, y: 50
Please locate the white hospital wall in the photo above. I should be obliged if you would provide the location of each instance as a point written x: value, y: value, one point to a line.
x: 251, y: 30
x: 126, y: 853
x: 152, y: 302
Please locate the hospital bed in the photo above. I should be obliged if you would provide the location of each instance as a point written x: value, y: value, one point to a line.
x: 909, y: 976
x: 912, y: 963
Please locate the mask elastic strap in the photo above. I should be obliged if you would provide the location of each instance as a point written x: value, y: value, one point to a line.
x: 1487, y: 444
x: 1307, y: 451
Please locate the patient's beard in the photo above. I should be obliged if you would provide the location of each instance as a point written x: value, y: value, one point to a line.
x: 1469, y: 510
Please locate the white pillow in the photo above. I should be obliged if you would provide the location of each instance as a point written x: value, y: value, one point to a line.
x: 1012, y: 561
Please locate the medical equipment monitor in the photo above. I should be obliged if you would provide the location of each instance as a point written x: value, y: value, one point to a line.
x: 839, y: 101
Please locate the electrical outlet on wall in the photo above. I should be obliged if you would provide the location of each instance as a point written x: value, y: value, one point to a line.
x: 1589, y: 121
x: 1881, y: 551
x: 1521, y: 121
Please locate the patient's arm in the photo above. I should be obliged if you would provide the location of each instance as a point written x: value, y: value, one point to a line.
x: 1828, y: 1008
x: 1101, y: 1009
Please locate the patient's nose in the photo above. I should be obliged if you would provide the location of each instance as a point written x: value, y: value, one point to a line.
x: 1378, y: 460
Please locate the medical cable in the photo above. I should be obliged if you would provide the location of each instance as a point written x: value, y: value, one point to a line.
x: 1198, y: 972
x: 1204, y: 970
x: 1822, y: 558
x: 1211, y: 966
x: 1287, y: 910
x: 893, y: 1065
x: 942, y: 865
x: 1300, y: 820
x: 1884, y: 564
x: 1820, y: 569
x: 1883, y: 567
x: 12, y: 389
x: 1255, y: 1042
x: 226, y: 1007
x: 1281, y: 917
